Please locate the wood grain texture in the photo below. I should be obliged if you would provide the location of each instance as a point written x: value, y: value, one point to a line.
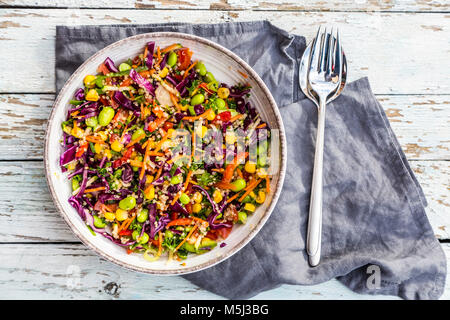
x: 27, y: 213
x: 71, y: 271
x: 402, y: 53
x: 23, y: 121
x: 276, y: 5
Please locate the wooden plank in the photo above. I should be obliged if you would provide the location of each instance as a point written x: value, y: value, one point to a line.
x: 71, y: 271
x: 23, y: 120
x: 33, y: 218
x: 277, y: 5
x: 402, y: 53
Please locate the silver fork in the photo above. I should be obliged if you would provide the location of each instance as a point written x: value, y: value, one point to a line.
x: 324, y: 78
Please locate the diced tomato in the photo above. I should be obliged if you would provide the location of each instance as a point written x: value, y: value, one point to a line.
x: 117, y: 163
x: 224, y: 232
x: 188, y: 208
x: 81, y: 150
x: 152, y: 126
x: 184, y: 58
x: 223, y: 116
x: 167, y: 125
x: 125, y: 232
x: 103, y: 69
x: 211, y: 234
x: 178, y: 77
x: 174, y: 216
x: 129, y: 251
x: 104, y: 101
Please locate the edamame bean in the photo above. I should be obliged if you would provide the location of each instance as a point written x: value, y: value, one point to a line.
x: 105, y: 116
x: 200, y: 68
x: 98, y: 222
x: 197, y: 99
x: 220, y: 104
x: 175, y: 180
x: 242, y: 217
x: 184, y: 198
x: 172, y: 59
x: 128, y: 203
x: 213, y: 86
x: 238, y: 185
x: 209, y: 77
x: 75, y: 184
x: 144, y: 239
x: 124, y: 67
x: 137, y: 133
x: 135, y: 234
x: 142, y: 216
x: 91, y: 122
x: 138, y: 158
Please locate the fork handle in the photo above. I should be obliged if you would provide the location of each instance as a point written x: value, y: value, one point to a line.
x: 314, y: 235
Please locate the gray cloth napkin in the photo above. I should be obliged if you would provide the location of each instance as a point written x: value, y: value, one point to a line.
x: 373, y: 207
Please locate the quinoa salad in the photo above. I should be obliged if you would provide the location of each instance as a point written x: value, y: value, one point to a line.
x: 162, y: 158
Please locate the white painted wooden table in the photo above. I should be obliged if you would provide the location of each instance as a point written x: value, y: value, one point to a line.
x: 403, y: 46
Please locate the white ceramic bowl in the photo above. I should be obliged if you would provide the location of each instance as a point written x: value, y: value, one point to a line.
x: 224, y: 65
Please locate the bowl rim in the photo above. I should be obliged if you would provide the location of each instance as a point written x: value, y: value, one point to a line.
x: 252, y: 233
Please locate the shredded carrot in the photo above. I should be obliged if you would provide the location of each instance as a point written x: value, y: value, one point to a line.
x: 164, y: 138
x: 147, y: 150
x: 249, y: 190
x: 262, y: 125
x: 133, y: 142
x: 175, y: 199
x: 201, y: 116
x: 170, y: 48
x: 159, y: 243
x: 233, y: 197
x: 188, y: 179
x: 145, y: 52
x: 267, y: 184
x: 136, y: 163
x: 239, y: 172
x: 126, y: 83
x: 158, y: 174
x: 94, y: 189
x: 188, y: 69
x: 158, y: 53
x: 218, y: 170
x: 236, y: 117
x: 94, y: 139
x: 243, y: 74
x: 174, y: 101
x: 187, y: 237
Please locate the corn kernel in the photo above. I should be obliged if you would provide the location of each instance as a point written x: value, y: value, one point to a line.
x: 198, y: 197
x: 252, y: 194
x: 109, y: 216
x: 164, y: 72
x: 223, y: 92
x: 89, y: 81
x: 121, y: 214
x: 170, y: 132
x: 249, y: 207
x: 149, y: 179
x: 116, y: 146
x: 72, y: 165
x: 184, y: 108
x: 250, y: 167
x: 98, y: 148
x: 261, y: 197
x: 217, y: 196
x: 77, y: 131
x: 92, y: 95
x: 202, y: 132
x: 150, y: 194
x: 108, y: 153
x: 196, y: 208
x: 103, y: 136
x: 211, y: 115
x: 230, y: 138
x: 261, y: 172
